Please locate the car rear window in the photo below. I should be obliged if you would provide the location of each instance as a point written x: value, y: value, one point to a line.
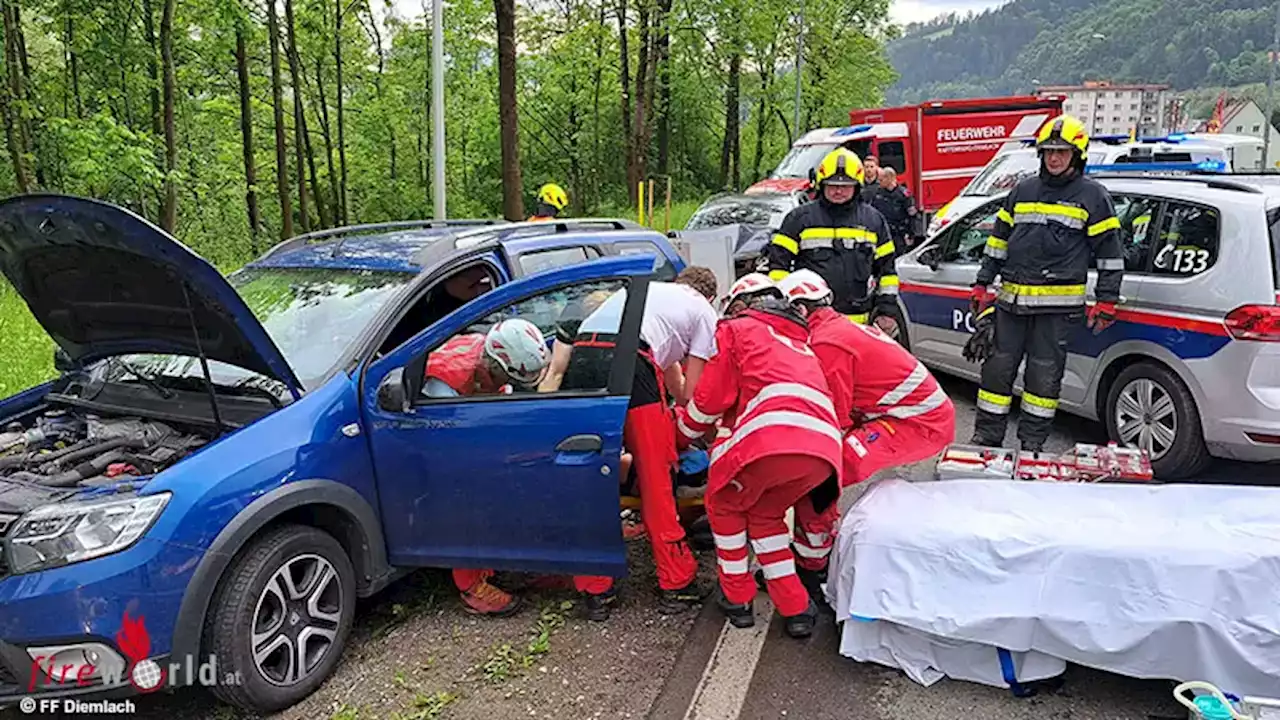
x: 1273, y: 221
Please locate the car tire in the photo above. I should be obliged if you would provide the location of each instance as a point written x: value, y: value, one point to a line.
x: 292, y: 584
x: 1151, y: 391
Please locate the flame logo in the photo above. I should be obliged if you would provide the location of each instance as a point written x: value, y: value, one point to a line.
x: 134, y: 641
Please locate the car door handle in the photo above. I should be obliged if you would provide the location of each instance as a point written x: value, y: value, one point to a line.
x: 579, y: 444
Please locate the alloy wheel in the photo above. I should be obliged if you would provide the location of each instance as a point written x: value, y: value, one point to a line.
x: 295, y: 622
x: 1146, y: 417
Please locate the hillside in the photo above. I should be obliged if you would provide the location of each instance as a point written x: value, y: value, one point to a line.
x: 1184, y: 43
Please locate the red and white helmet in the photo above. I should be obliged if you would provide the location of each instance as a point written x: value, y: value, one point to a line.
x: 804, y: 285
x: 750, y: 284
x: 519, y: 348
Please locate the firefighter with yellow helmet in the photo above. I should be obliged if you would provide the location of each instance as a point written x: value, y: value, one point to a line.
x: 1052, y: 229
x: 843, y: 239
x: 552, y: 200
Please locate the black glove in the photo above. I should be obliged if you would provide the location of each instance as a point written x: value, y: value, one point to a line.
x: 983, y: 340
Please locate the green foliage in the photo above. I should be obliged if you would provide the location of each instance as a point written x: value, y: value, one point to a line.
x: 1186, y: 44
x: 25, y: 350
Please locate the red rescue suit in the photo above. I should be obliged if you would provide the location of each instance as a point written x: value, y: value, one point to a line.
x: 459, y: 363
x: 892, y: 412
x: 785, y: 442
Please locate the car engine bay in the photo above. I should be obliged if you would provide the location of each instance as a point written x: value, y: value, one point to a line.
x: 69, y: 450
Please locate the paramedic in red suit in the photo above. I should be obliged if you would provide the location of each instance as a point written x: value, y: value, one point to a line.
x: 513, y: 351
x: 784, y: 442
x: 891, y: 409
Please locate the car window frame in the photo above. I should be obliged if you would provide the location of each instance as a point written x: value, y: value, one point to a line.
x: 616, y: 372
x: 632, y: 247
x: 951, y: 235
x: 586, y: 248
x: 1165, y: 204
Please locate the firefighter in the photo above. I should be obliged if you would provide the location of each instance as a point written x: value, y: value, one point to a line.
x: 552, y: 200
x: 678, y: 326
x: 845, y: 241
x: 512, y: 352
x: 891, y: 411
x: 1052, y: 227
x: 766, y: 384
x: 894, y: 202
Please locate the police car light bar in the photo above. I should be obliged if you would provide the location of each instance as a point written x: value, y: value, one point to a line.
x: 1207, y: 166
x: 853, y: 130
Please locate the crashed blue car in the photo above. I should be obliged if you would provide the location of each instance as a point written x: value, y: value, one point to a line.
x: 224, y: 464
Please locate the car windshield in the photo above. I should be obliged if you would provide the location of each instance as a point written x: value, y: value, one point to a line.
x: 312, y: 315
x: 801, y: 159
x: 1003, y: 172
x: 738, y: 211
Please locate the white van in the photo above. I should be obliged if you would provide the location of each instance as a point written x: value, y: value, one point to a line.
x: 1013, y: 164
x: 1244, y: 152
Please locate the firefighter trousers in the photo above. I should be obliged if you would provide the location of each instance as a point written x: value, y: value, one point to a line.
x: 753, y: 508
x: 1042, y: 340
x: 871, y: 447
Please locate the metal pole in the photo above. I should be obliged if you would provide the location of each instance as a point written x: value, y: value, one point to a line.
x: 437, y: 108
x: 799, y: 68
x: 1271, y: 80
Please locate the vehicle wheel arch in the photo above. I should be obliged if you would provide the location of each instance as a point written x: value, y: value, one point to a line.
x: 1122, y: 355
x: 323, y: 504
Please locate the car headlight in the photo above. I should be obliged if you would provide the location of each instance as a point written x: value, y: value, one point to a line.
x: 56, y: 535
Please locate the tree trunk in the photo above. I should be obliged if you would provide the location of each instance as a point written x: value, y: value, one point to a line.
x: 299, y: 118
x: 624, y: 73
x: 664, y: 87
x: 512, y: 188
x: 73, y: 60
x: 169, y: 211
x: 15, y: 116
x: 322, y: 212
x: 642, y: 98
x: 277, y: 105
x: 342, y: 132
x: 121, y: 60
x: 379, y: 85
x: 246, y: 137
x: 595, y: 135
x: 729, y: 149
x: 148, y: 24
x: 327, y: 131
x: 11, y: 141
x: 762, y: 127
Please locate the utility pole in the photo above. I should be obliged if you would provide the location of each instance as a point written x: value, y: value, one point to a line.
x: 437, y: 108
x: 1271, y: 81
x: 799, y: 68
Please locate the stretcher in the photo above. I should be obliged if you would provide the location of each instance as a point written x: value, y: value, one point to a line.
x: 1004, y: 582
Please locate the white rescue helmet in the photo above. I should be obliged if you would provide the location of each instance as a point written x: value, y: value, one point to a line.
x: 750, y: 284
x: 519, y: 349
x: 804, y: 285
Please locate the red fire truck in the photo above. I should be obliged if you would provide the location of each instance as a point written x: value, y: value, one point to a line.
x: 936, y: 146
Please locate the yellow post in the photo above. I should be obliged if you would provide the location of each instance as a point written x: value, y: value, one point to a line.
x: 651, y: 220
x: 668, y: 220
x: 640, y: 197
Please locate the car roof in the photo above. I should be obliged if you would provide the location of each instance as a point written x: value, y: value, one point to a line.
x: 1190, y: 187
x: 411, y: 247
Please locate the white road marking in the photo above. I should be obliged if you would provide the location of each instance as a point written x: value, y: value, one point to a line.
x: 722, y: 690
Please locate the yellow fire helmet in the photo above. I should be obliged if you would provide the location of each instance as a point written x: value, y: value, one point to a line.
x: 553, y: 195
x: 1065, y: 132
x: 840, y: 167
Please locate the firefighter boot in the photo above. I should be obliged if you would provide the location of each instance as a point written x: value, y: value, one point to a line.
x: 486, y: 599
x: 801, y: 626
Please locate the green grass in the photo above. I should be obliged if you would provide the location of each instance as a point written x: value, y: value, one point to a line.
x: 26, y: 352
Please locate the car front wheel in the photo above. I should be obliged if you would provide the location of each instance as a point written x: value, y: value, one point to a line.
x: 280, y: 618
x: 1148, y: 407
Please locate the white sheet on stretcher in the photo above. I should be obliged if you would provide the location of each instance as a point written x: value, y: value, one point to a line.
x: 1151, y: 581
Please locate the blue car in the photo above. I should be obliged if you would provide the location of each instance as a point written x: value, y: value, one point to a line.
x: 226, y: 463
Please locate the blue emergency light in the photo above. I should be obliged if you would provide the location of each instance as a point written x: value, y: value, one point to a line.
x: 1206, y: 166
x: 852, y: 130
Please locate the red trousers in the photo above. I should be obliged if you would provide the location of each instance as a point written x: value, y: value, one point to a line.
x: 890, y: 442
x: 879, y: 444
x: 754, y: 508
x: 649, y: 436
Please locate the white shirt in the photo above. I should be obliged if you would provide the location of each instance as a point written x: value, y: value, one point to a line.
x: 678, y: 322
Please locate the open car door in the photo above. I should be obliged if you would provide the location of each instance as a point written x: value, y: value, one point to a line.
x: 519, y: 479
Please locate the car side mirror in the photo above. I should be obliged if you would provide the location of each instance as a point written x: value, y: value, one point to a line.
x: 393, y: 396
x: 931, y: 257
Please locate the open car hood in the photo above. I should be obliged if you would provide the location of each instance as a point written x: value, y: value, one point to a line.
x: 103, y: 282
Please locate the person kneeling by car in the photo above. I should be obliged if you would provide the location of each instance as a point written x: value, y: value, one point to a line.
x: 891, y: 409
x: 512, y: 352
x: 784, y: 443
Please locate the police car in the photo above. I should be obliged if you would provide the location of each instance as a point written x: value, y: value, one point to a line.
x: 1191, y: 370
x: 1015, y: 163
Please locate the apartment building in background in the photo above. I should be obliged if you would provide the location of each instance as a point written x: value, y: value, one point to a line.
x: 1108, y: 108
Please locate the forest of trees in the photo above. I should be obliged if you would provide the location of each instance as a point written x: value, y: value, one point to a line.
x: 1184, y: 43
x: 238, y: 122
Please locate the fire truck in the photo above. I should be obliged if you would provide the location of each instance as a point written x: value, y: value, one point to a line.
x: 936, y: 146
